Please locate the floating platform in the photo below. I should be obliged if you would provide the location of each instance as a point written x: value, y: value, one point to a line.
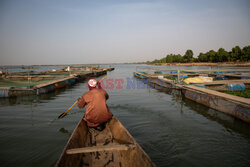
x: 141, y: 75
x: 206, y: 93
x: 42, y: 82
x: 238, y: 107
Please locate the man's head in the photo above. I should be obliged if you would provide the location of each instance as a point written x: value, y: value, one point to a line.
x: 92, y: 83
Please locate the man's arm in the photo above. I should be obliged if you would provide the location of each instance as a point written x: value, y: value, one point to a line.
x: 81, y: 102
x: 106, y: 95
x: 99, y: 85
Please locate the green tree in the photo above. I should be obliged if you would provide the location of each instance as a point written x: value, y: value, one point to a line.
x: 203, y: 57
x: 245, y: 56
x: 235, y: 54
x: 211, y: 56
x: 222, y: 55
x: 178, y: 58
x: 163, y: 60
x: 170, y: 58
x: 196, y: 60
x: 188, y: 56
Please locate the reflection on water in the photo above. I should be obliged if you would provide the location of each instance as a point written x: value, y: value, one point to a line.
x: 173, y: 131
x: 63, y: 130
x: 229, y: 122
x: 27, y: 100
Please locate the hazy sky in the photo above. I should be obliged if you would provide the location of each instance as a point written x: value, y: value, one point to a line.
x: 113, y: 31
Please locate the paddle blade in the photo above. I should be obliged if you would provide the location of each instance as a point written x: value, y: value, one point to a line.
x: 62, y: 115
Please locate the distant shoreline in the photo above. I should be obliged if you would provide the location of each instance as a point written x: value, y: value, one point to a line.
x: 224, y: 64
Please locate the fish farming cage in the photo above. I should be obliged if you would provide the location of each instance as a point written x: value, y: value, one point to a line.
x: 53, y: 69
x: 23, y: 83
x: 241, y: 72
x: 164, y: 72
x: 89, y: 67
x: 29, y: 79
x: 243, y: 93
x: 155, y: 70
x: 180, y: 75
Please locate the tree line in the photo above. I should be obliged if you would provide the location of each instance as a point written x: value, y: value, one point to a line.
x: 236, y: 54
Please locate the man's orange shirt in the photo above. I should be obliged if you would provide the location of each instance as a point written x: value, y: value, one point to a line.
x: 97, y: 112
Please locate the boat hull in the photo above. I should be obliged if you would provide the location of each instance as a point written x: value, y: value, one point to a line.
x: 110, y: 143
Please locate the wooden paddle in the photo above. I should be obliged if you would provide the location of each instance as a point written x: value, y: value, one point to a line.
x: 63, y: 114
x: 102, y: 79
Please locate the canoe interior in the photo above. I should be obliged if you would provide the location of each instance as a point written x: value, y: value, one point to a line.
x: 113, y: 134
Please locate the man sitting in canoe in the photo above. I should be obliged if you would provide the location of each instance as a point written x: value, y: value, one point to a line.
x: 97, y: 112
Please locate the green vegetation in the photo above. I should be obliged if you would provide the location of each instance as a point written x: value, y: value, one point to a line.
x: 236, y: 54
x: 245, y: 93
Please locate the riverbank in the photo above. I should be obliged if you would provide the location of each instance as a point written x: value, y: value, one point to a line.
x: 224, y: 64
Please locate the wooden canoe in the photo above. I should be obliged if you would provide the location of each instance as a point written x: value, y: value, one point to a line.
x: 113, y: 146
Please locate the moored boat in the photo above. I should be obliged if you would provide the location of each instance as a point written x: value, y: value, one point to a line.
x: 113, y: 146
x: 141, y: 75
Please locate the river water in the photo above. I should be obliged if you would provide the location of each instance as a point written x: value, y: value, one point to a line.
x: 172, y: 130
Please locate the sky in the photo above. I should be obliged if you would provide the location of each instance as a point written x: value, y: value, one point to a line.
x: 36, y: 32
